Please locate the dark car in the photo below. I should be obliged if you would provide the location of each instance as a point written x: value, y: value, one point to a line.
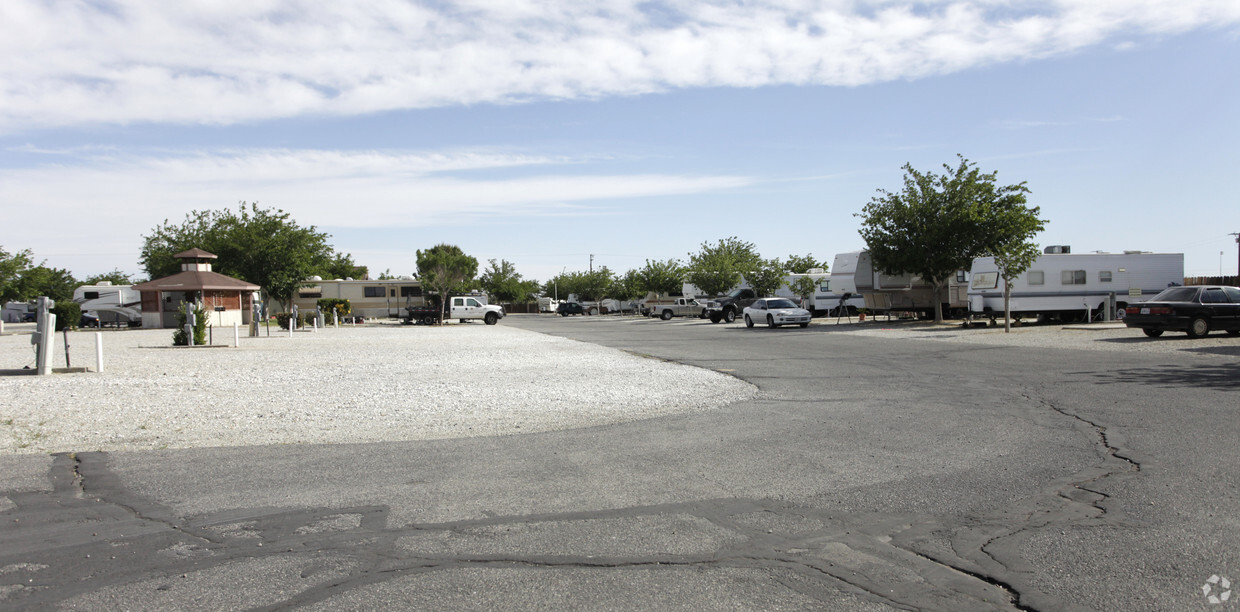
x: 1194, y: 310
x: 569, y: 308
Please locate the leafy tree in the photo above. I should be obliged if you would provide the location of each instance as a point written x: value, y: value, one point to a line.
x: 116, y: 277
x: 503, y: 283
x: 12, y: 267
x: 259, y: 245
x: 803, y: 286
x: 444, y: 269
x: 717, y: 268
x: 628, y: 286
x: 797, y: 264
x: 767, y: 278
x: 1010, y: 242
x: 594, y: 286
x: 662, y: 277
x: 937, y: 224
x: 561, y: 286
x: 55, y: 283
x: 342, y: 265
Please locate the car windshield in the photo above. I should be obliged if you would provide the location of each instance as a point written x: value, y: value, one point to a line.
x: 780, y: 304
x: 1177, y: 294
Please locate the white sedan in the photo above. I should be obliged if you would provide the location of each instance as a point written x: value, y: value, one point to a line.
x: 776, y: 312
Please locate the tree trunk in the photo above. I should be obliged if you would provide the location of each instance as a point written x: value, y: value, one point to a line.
x: 938, y: 302
x: 1007, y: 305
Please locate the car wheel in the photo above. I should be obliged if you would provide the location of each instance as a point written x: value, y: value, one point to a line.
x: 715, y: 317
x: 491, y: 318
x: 729, y: 315
x: 748, y: 321
x: 805, y: 325
x: 666, y: 316
x: 1153, y: 333
x: 770, y: 322
x: 564, y: 314
x: 1198, y: 328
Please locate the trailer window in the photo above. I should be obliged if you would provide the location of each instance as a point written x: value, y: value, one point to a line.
x: 985, y: 280
x: 373, y: 292
x: 1072, y: 277
x: 410, y: 292
x: 90, y: 295
x: 1104, y: 276
x: 1036, y: 277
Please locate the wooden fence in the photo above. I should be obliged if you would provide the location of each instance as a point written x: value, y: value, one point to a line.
x: 1212, y: 280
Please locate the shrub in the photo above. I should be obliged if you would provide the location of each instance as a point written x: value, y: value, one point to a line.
x: 68, y: 314
x: 327, y: 305
x: 179, y: 338
x: 283, y: 318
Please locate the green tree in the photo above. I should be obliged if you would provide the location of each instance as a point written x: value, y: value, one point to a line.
x: 594, y: 286
x: 767, y: 278
x: 444, y: 269
x: 259, y: 245
x: 55, y: 283
x: 797, y: 264
x: 341, y: 265
x: 717, y: 268
x: 936, y: 224
x: 12, y: 267
x: 662, y: 277
x: 628, y: 286
x: 503, y: 283
x: 116, y: 277
x: 803, y: 286
x: 1010, y: 241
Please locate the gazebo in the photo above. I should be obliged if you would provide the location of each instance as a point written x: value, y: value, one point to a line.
x: 227, y: 299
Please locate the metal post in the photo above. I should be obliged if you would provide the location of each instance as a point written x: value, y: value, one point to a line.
x: 236, y: 335
x: 191, y: 321
x: 99, y: 352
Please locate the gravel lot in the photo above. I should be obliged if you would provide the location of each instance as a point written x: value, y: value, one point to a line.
x: 392, y: 382
x: 336, y: 385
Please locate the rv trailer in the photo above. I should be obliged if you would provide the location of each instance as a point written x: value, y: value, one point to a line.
x: 1066, y: 286
x: 117, y: 305
x: 854, y: 272
x: 825, y: 300
x: 367, y: 298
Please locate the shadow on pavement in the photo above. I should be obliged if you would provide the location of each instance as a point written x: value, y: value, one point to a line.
x: 1222, y: 376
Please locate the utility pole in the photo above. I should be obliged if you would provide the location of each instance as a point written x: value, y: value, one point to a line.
x: 592, y: 262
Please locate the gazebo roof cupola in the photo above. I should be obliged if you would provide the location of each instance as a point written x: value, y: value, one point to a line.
x: 195, y: 260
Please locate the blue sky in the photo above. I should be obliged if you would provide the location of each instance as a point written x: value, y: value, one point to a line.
x: 544, y: 132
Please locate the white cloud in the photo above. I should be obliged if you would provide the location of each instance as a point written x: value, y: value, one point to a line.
x: 212, y: 61
x: 102, y: 202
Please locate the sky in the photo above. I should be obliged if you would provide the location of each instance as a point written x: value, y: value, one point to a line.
x: 563, y: 134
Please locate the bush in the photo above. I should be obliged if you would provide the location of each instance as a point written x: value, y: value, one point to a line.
x: 327, y: 305
x: 283, y: 318
x: 68, y: 314
x: 179, y: 338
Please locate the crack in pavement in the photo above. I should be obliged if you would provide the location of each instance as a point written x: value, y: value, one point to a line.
x: 114, y: 546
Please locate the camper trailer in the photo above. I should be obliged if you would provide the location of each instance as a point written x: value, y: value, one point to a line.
x: 118, y: 305
x: 855, y: 273
x: 1066, y: 286
x: 826, y: 299
x: 367, y: 298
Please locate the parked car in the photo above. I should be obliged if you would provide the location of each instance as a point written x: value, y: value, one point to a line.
x: 1193, y: 310
x: 569, y: 308
x: 776, y: 312
x: 88, y: 320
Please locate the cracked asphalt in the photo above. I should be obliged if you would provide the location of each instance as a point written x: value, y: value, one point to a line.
x: 870, y: 473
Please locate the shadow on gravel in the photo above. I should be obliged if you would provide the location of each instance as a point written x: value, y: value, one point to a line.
x: 1223, y: 377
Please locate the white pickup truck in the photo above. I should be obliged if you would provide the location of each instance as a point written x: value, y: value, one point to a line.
x: 678, y: 307
x: 462, y: 308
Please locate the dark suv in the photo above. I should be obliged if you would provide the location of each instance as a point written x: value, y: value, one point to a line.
x: 569, y: 308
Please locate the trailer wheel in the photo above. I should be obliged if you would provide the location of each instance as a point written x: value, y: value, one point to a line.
x: 428, y: 320
x: 491, y: 318
x: 729, y: 315
x: 1198, y: 328
x: 1153, y: 333
x: 666, y: 316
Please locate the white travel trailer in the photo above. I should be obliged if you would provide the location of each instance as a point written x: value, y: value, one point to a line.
x: 854, y: 272
x: 113, y: 304
x: 825, y: 299
x: 367, y: 298
x: 1065, y: 286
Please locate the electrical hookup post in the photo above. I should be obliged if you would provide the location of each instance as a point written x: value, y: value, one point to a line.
x: 45, y: 327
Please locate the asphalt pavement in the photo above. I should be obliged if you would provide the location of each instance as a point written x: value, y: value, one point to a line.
x: 870, y: 472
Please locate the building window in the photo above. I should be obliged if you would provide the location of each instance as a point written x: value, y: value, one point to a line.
x: 373, y: 292
x: 1037, y: 277
x: 1104, y: 276
x: 311, y: 294
x: 411, y: 292
x: 1072, y: 277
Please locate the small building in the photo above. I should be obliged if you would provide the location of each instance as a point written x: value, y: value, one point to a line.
x: 229, y: 300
